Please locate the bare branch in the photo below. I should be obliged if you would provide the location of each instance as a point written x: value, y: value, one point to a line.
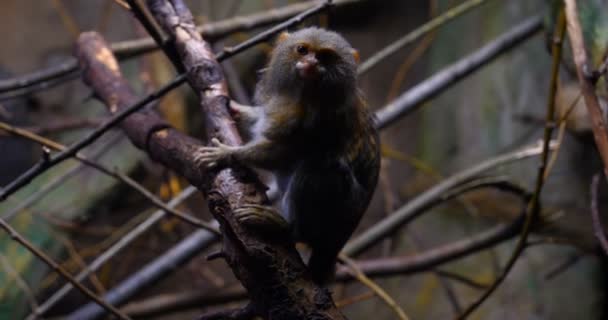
x: 417, y: 33
x: 426, y: 90
x: 185, y: 246
x: 356, y: 272
x: 598, y: 123
x: 21, y: 283
x: 598, y: 228
x: 130, y: 48
x: 112, y: 173
x: 534, y: 207
x: 57, y: 268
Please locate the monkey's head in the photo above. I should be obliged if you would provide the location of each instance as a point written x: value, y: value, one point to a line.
x: 312, y: 59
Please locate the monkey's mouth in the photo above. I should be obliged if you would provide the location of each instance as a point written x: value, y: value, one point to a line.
x: 309, y: 70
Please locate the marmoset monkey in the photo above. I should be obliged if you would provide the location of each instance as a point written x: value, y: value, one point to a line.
x: 312, y: 130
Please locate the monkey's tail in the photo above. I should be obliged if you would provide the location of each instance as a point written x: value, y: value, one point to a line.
x: 322, y: 265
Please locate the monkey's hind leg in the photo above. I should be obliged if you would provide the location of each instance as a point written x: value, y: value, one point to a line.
x: 264, y: 219
x: 322, y: 264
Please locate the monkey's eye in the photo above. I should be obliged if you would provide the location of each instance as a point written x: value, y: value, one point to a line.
x: 302, y: 49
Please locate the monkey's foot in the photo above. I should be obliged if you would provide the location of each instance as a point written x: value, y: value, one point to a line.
x: 262, y: 218
x: 212, y: 156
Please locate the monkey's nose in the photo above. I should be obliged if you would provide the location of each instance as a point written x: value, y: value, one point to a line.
x: 308, y: 67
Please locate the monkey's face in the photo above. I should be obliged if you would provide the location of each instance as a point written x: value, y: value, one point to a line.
x: 313, y: 59
x: 312, y: 63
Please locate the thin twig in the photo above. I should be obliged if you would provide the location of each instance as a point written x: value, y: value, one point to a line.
x: 111, y: 173
x: 565, y: 265
x: 43, y: 166
x: 560, y: 136
x: 534, y: 206
x: 598, y: 228
x: 53, y: 265
x: 122, y: 243
x: 21, y: 283
x: 365, y: 280
x: 426, y: 90
x: 352, y: 300
x: 40, y: 86
x: 79, y: 261
x: 59, y: 179
x: 66, y: 18
x: 462, y: 279
x: 417, y: 33
x: 130, y: 48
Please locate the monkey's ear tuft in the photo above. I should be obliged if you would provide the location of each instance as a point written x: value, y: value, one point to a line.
x: 283, y: 36
x: 355, y: 54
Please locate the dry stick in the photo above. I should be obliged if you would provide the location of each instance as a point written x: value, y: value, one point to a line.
x: 460, y: 278
x: 149, y: 274
x: 413, y: 98
x: 122, y: 243
x: 68, y: 21
x: 417, y: 33
x: 560, y: 135
x: 112, y: 173
x: 257, y: 262
x: 21, y: 283
x: 65, y: 124
x: 126, y: 49
x: 563, y: 266
x: 598, y: 229
x: 74, y: 258
x: 70, y: 152
x: 412, y: 57
x: 598, y: 124
x: 40, y: 86
x: 53, y: 265
x: 354, y: 299
x: 534, y: 206
x: 58, y: 180
x: 356, y: 272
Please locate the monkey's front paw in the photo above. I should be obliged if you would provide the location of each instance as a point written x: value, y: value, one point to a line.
x: 212, y: 156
